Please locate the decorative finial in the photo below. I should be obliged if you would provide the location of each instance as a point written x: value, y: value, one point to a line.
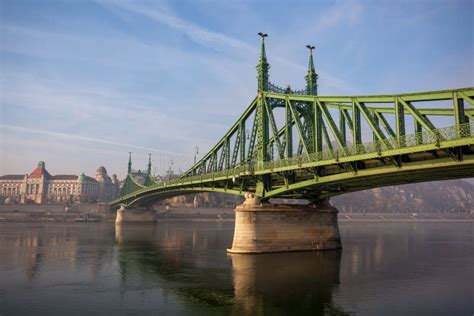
x: 149, y: 164
x: 196, y: 152
x: 129, y: 162
x: 311, y: 76
x: 263, y: 66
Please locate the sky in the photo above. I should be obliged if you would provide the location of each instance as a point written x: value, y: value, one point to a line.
x: 82, y: 83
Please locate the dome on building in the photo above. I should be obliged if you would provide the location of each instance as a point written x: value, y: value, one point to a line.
x: 102, y: 170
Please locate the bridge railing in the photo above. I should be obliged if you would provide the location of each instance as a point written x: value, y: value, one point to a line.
x: 411, y: 140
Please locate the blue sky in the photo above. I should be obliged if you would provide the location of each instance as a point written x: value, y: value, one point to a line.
x: 85, y: 82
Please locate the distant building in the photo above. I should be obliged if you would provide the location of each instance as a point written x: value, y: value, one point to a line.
x: 41, y: 187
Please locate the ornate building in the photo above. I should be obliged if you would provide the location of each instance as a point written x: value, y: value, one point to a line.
x: 41, y: 187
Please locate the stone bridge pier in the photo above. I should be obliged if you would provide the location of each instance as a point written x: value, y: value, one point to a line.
x: 261, y: 227
x: 129, y: 215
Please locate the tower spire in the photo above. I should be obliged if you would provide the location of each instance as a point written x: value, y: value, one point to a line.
x: 263, y: 66
x: 129, y: 162
x: 149, y: 164
x: 311, y: 76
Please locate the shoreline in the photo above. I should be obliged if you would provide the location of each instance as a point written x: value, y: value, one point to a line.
x: 227, y: 220
x: 99, y: 213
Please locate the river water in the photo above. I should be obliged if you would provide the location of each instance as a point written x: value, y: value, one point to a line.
x: 411, y: 268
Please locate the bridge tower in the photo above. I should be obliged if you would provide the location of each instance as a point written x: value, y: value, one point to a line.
x: 312, y: 89
x: 263, y: 65
x: 263, y: 149
x: 311, y: 76
x: 149, y: 165
x: 263, y: 227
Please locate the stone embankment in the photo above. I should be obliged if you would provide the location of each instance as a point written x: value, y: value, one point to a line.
x: 227, y: 214
x: 403, y: 217
x: 55, y: 213
x: 100, y: 212
x: 195, y: 214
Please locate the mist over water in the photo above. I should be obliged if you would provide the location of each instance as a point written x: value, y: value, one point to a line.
x: 183, y: 268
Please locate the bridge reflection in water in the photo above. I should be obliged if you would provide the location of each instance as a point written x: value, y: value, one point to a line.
x: 283, y: 283
x: 286, y: 283
x: 181, y: 269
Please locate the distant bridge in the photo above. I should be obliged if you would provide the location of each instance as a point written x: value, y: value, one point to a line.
x: 295, y: 144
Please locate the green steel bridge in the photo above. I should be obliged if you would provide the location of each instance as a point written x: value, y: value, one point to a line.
x: 300, y: 145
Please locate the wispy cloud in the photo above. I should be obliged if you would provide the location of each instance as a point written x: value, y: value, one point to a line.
x: 195, y: 32
x: 342, y: 12
x: 75, y: 137
x: 345, y: 11
x: 93, y: 109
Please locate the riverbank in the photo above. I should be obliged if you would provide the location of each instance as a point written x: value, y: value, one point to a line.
x: 56, y: 213
x: 101, y: 213
x: 215, y: 214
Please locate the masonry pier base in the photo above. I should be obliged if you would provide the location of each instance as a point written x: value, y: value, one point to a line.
x: 261, y: 228
x: 128, y: 215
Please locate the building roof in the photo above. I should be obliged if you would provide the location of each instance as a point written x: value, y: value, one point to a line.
x: 40, y: 171
x: 12, y: 177
x: 87, y: 178
x: 83, y: 178
x: 64, y: 177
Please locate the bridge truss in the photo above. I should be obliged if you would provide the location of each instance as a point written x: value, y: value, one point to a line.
x: 296, y: 144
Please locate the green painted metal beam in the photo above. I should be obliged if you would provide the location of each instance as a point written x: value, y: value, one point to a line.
x: 318, y: 127
x: 399, y: 121
x: 326, y: 137
x: 275, y: 138
x: 459, y: 115
x: 385, y: 124
x: 386, y: 98
x: 288, y: 131
x: 298, y: 125
x: 332, y: 125
x: 218, y: 169
x: 342, y: 125
x: 242, y: 139
x: 420, y: 118
x: 356, y: 124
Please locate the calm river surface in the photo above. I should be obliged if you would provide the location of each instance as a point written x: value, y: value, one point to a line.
x: 183, y: 269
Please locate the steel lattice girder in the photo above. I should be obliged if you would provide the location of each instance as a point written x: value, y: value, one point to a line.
x: 431, y: 139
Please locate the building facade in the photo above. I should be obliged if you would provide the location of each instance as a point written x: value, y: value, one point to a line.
x: 41, y: 187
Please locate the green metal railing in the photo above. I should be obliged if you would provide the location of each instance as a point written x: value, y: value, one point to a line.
x: 411, y: 140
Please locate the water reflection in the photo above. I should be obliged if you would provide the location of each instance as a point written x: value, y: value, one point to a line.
x: 286, y: 283
x: 187, y: 262
x: 280, y: 283
x: 183, y: 269
x: 35, y: 246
